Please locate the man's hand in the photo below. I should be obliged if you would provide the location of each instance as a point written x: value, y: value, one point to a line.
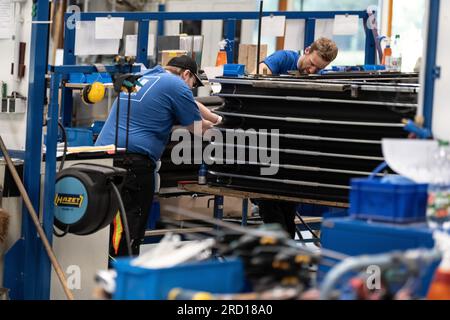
x: 263, y: 69
x: 219, y: 120
x: 199, y: 127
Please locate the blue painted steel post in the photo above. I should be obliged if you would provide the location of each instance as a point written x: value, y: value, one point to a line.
x: 430, y: 62
x: 142, y: 46
x: 230, y: 33
x: 218, y: 208
x: 310, y: 30
x: 68, y: 59
x: 370, y: 48
x: 244, y: 212
x: 161, y: 8
x: 50, y: 177
x: 33, y: 282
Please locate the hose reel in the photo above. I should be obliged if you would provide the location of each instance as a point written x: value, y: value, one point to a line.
x: 84, y: 198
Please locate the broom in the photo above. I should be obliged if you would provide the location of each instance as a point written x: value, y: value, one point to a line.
x: 4, y: 223
x: 35, y: 219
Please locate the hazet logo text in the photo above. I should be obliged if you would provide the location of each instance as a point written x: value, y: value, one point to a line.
x: 68, y: 200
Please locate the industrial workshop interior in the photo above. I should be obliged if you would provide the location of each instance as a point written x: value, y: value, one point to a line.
x: 225, y: 150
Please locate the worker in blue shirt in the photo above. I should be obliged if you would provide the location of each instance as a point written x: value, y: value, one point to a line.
x: 164, y: 99
x: 317, y: 56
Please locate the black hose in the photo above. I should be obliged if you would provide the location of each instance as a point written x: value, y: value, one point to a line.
x: 259, y: 36
x: 128, y: 121
x: 128, y: 111
x: 117, y: 123
x: 60, y: 235
x: 299, y: 233
x: 306, y: 225
x: 123, y: 215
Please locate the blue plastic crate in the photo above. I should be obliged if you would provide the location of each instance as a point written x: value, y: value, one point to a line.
x: 97, y: 127
x: 77, y: 77
x: 233, y: 70
x: 136, y: 283
x: 356, y: 237
x: 394, y: 200
x: 79, y: 137
x: 373, y: 67
x: 102, y: 77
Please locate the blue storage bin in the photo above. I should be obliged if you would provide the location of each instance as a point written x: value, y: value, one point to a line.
x: 397, y: 201
x: 355, y: 237
x: 93, y: 77
x: 79, y: 137
x: 233, y: 70
x: 373, y: 67
x: 136, y: 283
x: 105, y: 77
x: 77, y: 77
x: 97, y: 127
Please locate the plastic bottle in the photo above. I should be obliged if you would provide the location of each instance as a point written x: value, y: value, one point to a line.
x: 222, y: 54
x: 396, y: 59
x: 440, y: 285
x: 387, y: 55
x: 202, y: 174
x: 438, y: 208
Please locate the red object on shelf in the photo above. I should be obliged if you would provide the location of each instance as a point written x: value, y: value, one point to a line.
x: 440, y: 287
x: 187, y: 182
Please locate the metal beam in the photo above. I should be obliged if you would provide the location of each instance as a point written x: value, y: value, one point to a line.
x: 244, y: 15
x: 30, y: 263
x: 430, y: 63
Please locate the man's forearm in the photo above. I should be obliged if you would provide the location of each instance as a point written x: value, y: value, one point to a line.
x: 207, y: 114
x: 199, y: 127
x: 263, y: 69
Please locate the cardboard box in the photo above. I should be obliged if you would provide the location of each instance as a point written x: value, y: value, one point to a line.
x: 232, y: 206
x: 248, y: 53
x: 243, y: 54
x: 167, y: 55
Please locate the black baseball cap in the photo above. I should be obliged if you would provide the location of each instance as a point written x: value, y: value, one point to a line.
x: 187, y: 63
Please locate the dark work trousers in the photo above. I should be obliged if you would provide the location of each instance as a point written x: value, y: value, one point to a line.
x: 281, y: 212
x: 137, y: 196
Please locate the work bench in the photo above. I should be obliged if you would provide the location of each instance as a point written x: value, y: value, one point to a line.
x: 220, y: 192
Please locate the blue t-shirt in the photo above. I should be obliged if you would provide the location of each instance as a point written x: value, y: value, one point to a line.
x: 282, y: 61
x: 163, y: 100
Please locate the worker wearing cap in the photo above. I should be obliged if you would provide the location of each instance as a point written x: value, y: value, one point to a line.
x: 164, y: 99
x: 175, y: 66
x: 317, y: 56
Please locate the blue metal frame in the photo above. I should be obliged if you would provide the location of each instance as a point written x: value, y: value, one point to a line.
x: 430, y: 62
x: 27, y: 271
x: 161, y: 8
x: 218, y: 208
x: 142, y: 45
x: 230, y: 31
x: 244, y: 212
x: 310, y: 30
x: 27, y: 267
x: 229, y: 18
x: 50, y: 179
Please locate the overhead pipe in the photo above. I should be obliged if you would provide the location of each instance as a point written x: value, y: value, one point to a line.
x: 389, y: 21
